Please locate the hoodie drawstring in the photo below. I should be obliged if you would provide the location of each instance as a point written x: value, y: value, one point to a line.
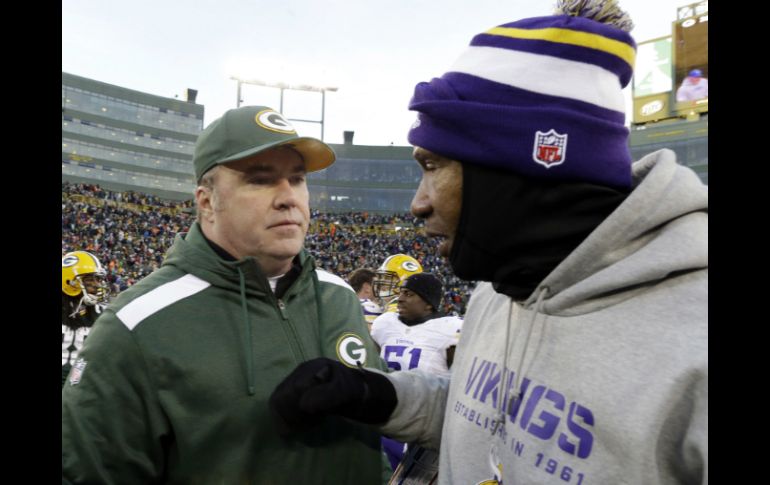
x: 249, y: 344
x: 519, y: 367
x: 514, y: 393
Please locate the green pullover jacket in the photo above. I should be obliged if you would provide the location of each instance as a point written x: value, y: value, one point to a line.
x: 173, y: 382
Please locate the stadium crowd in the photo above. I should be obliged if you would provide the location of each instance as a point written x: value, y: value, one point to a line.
x: 130, y: 233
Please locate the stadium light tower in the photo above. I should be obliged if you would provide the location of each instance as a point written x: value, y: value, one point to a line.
x: 294, y: 87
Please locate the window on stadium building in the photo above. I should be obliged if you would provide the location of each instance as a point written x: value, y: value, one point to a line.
x: 70, y: 125
x: 345, y: 199
x: 121, y: 109
x: 94, y: 172
x: 79, y: 148
x: 379, y: 171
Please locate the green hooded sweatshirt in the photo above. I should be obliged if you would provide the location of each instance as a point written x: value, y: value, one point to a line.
x: 173, y: 383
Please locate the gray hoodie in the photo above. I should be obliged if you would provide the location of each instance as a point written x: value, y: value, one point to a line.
x: 602, y: 374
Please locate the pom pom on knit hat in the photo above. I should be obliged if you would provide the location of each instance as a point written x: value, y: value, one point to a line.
x: 606, y: 12
x: 541, y: 97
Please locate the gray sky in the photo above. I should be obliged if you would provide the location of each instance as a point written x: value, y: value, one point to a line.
x: 374, y: 52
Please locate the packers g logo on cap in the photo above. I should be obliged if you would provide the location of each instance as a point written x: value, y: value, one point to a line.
x: 351, y: 349
x: 274, y: 121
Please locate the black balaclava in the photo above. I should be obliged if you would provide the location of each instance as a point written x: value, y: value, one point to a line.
x: 513, y: 231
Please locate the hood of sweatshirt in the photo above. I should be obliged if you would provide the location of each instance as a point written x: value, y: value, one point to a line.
x: 660, y: 230
x: 581, y: 255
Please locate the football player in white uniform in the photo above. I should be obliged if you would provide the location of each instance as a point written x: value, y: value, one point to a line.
x: 362, y: 281
x: 417, y: 336
x: 84, y: 294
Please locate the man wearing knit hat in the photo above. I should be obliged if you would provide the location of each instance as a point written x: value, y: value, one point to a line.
x: 177, y: 372
x: 418, y: 336
x: 418, y: 298
x: 583, y: 357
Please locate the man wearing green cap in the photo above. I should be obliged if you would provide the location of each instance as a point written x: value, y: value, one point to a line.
x: 177, y: 372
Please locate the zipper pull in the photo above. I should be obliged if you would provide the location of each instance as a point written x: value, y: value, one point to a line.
x: 282, y: 308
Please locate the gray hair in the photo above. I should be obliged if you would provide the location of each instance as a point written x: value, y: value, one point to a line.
x: 207, y: 180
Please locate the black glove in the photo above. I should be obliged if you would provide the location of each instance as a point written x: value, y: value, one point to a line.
x: 322, y: 386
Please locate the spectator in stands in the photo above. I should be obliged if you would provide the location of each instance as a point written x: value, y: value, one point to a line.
x: 109, y: 230
x: 584, y: 351
x: 177, y: 373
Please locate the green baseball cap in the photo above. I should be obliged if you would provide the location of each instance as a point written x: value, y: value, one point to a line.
x: 246, y: 131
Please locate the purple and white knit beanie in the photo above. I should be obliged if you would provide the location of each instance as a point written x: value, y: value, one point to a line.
x: 541, y: 97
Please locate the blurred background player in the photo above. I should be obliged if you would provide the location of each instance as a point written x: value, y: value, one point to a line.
x: 417, y: 336
x: 389, y: 276
x: 84, y: 294
x: 362, y: 281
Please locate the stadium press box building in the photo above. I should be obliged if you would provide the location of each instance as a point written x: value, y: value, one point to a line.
x: 376, y: 179
x: 122, y: 139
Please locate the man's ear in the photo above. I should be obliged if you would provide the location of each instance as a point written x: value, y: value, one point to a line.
x: 204, y: 200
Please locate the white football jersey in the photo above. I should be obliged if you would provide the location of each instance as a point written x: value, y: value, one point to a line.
x: 371, y: 309
x: 421, y: 346
x: 71, y: 343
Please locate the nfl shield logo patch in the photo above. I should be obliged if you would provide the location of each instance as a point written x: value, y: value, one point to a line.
x: 550, y: 148
x: 77, y: 371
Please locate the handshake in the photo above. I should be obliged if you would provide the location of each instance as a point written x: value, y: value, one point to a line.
x: 323, y: 386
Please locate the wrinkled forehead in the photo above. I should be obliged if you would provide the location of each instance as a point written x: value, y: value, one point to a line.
x: 278, y: 160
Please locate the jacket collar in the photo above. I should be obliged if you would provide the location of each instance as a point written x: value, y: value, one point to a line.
x: 193, y: 253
